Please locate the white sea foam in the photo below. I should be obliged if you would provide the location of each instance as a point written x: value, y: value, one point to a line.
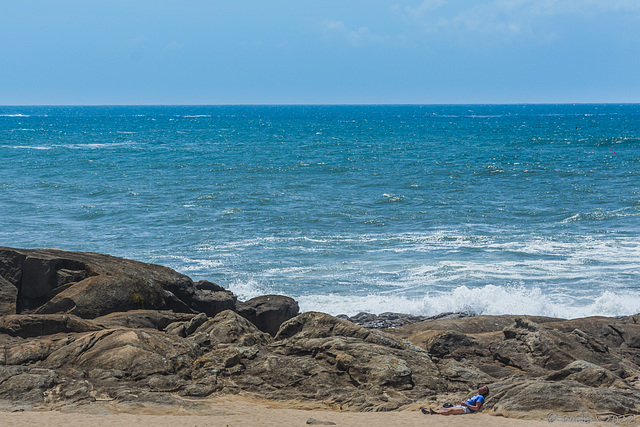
x: 28, y: 147
x: 187, y: 265
x: 490, y: 299
x: 95, y: 146
x: 247, y: 289
x: 600, y: 215
x: 14, y: 115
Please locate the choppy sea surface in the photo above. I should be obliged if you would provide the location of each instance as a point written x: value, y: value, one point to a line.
x: 520, y: 209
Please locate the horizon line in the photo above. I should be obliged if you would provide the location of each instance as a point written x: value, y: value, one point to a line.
x: 320, y: 104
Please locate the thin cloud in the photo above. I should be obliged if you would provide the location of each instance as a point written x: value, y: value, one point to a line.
x: 173, y: 46
x: 426, y: 7
x: 337, y: 30
x: 509, y: 17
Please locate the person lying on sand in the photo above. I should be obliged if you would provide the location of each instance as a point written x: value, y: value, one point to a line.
x: 469, y: 406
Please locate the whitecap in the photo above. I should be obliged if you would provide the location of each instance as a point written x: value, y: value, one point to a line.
x: 247, y: 289
x: 28, y: 147
x: 486, y: 300
x: 187, y: 264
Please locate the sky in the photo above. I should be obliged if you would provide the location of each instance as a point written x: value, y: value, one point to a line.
x: 90, y: 52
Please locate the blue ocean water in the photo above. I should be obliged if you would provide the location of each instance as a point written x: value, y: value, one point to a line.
x: 521, y: 209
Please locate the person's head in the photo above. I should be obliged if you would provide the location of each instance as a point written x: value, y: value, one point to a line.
x: 483, y: 391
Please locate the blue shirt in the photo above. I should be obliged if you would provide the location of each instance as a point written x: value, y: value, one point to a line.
x: 475, y: 399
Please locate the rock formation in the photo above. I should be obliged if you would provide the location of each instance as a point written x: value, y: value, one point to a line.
x: 81, y: 331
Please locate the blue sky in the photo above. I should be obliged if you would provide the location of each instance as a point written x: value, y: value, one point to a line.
x: 319, y: 52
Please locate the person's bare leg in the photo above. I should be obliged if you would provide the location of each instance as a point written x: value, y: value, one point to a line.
x: 450, y: 411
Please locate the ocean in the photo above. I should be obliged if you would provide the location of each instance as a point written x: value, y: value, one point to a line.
x: 490, y: 209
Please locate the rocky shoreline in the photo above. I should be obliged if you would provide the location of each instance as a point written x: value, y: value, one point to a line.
x: 91, y: 332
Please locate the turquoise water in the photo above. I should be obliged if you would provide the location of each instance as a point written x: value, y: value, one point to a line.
x: 524, y: 209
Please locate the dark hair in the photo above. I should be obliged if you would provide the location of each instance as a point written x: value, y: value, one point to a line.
x: 487, y: 388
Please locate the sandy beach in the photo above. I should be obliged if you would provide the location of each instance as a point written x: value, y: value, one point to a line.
x: 238, y: 411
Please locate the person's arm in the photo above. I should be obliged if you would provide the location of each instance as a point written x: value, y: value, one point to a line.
x: 475, y: 407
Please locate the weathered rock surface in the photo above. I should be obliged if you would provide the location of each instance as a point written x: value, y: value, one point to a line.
x: 394, y: 320
x: 152, y: 319
x: 80, y: 330
x: 35, y: 325
x: 268, y: 312
x: 212, y: 299
x: 537, y: 365
x: 90, y: 285
x: 8, y: 297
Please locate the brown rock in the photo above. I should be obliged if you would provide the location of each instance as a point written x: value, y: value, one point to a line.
x: 35, y: 325
x: 32, y: 350
x: 540, y: 397
x: 229, y: 328
x: 26, y: 385
x: 212, y: 299
x: 151, y: 319
x: 90, y: 285
x: 11, y: 261
x: 104, y: 294
x: 350, y: 365
x: 588, y: 374
x: 448, y: 343
x: 8, y: 297
x: 268, y: 312
x: 138, y: 353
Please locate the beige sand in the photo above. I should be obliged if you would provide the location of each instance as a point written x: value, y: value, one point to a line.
x: 237, y: 411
